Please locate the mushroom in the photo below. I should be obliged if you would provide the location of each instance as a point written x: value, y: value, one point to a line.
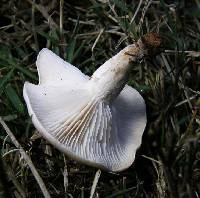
x: 97, y: 120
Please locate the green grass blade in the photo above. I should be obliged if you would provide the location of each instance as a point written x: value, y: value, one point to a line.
x: 78, y: 51
x: 70, y: 50
x: 48, y: 37
x: 121, y: 5
x: 5, y: 79
x: 121, y: 192
x: 14, y: 99
x: 26, y: 72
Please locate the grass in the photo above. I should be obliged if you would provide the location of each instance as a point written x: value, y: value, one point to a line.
x: 86, y: 33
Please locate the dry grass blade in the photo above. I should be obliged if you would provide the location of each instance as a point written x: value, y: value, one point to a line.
x: 136, y: 12
x: 146, y: 6
x: 44, y: 12
x: 98, y: 37
x: 94, y: 185
x: 27, y: 159
x: 15, y: 181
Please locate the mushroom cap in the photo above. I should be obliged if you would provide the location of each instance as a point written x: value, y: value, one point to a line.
x: 86, y: 128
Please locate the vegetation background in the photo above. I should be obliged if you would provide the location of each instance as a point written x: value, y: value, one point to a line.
x: 86, y: 33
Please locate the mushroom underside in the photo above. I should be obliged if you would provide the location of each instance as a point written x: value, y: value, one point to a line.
x: 87, y: 128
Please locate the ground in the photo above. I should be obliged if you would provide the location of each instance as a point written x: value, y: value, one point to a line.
x: 86, y: 33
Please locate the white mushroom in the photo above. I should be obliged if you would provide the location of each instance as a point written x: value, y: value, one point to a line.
x: 99, y: 120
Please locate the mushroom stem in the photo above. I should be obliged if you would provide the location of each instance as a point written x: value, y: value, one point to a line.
x: 112, y: 76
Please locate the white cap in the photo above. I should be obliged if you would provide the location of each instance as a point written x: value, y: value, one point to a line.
x: 87, y: 128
